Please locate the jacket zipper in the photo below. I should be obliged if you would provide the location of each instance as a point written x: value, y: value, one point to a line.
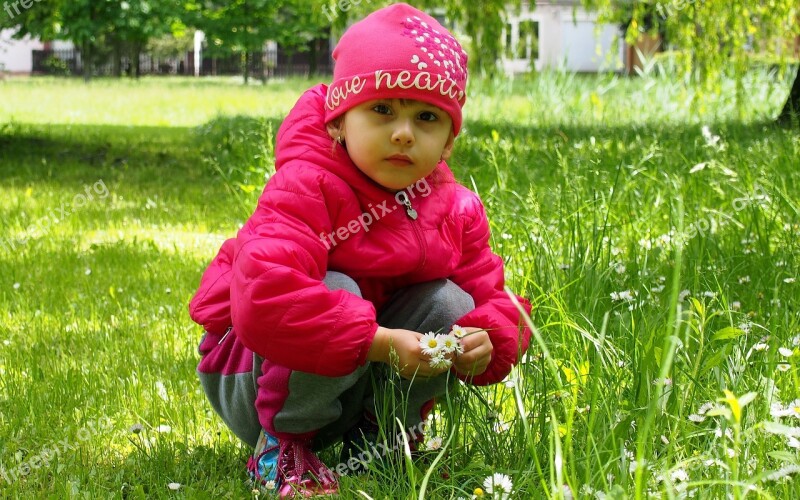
x: 412, y: 214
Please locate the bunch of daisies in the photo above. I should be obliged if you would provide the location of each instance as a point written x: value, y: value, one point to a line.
x: 439, y: 345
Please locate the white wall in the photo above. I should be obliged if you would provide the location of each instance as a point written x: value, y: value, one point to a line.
x: 581, y: 41
x: 15, y: 55
x: 568, y: 40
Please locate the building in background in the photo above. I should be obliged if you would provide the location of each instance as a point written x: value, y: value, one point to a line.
x: 560, y: 35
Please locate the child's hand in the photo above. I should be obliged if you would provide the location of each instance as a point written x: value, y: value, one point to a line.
x: 409, y: 361
x: 477, y: 353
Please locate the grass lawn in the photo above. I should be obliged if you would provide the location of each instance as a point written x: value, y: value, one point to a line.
x: 658, y: 238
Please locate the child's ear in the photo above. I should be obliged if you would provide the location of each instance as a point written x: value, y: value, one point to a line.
x: 448, y: 146
x: 335, y: 129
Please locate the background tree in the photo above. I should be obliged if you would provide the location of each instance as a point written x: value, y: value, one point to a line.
x: 99, y: 28
x: 235, y: 27
x: 713, y: 37
x: 298, y: 25
x: 135, y: 23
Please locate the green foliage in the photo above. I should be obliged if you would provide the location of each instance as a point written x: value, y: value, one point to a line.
x: 98, y: 28
x: 55, y: 66
x: 717, y: 37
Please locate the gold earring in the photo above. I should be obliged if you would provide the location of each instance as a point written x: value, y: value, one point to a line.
x: 340, y: 140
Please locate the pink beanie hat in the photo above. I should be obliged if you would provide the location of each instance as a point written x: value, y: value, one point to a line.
x: 398, y: 52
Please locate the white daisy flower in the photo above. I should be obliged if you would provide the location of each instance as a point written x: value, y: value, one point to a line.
x: 705, y: 407
x: 793, y: 408
x: 793, y: 442
x: 679, y: 475
x: 786, y: 353
x: 440, y: 361
x: 164, y: 428
x: 696, y: 418
x: 623, y: 295
x: 761, y: 346
x: 789, y: 280
x: 434, y: 443
x: 450, y: 344
x: 269, y: 485
x: 430, y: 344
x: 784, y: 367
x: 499, y: 486
x: 778, y: 410
x: 458, y: 332
x: 174, y: 486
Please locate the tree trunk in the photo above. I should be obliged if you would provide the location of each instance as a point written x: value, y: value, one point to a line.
x: 312, y: 57
x: 791, y: 110
x: 86, y: 59
x: 246, y: 59
x: 117, y: 61
x: 136, y: 53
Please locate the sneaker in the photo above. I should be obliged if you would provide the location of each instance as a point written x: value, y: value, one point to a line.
x: 289, y: 468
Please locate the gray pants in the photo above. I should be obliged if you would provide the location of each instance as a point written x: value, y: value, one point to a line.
x: 324, y: 408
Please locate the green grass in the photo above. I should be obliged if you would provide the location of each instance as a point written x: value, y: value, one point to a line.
x: 652, y: 253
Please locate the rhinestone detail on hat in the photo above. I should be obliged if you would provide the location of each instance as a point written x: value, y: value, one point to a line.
x: 439, y: 49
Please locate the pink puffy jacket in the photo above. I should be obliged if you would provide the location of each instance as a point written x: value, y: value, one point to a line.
x: 267, y: 282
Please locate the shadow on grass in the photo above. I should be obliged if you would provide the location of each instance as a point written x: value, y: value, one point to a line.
x: 166, y: 155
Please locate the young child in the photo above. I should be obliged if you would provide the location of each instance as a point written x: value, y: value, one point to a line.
x: 361, y: 242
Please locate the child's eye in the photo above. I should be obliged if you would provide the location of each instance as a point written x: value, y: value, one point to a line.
x: 382, y: 109
x: 428, y: 116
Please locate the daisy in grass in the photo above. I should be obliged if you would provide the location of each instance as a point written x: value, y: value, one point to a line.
x: 434, y: 443
x: 498, y: 486
x: 790, y: 410
x: 701, y: 412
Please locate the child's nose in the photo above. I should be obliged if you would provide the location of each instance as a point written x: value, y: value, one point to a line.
x: 403, y: 134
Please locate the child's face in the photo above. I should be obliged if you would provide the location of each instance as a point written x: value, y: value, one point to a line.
x: 397, y: 142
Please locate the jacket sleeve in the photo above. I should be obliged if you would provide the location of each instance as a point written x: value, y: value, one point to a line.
x: 210, y: 306
x: 281, y: 309
x: 480, y: 273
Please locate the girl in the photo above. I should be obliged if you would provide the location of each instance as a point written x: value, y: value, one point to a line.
x: 361, y: 242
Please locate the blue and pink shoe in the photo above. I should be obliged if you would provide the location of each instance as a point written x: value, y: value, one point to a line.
x: 289, y: 468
